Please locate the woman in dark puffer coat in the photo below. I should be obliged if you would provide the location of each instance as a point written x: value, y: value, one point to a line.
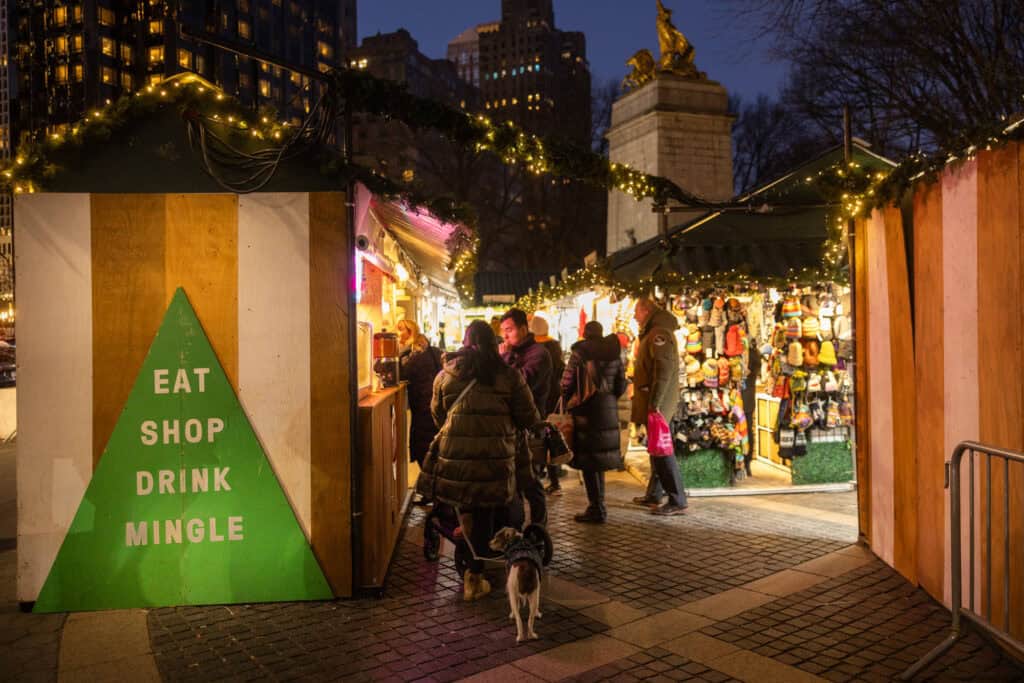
x: 596, y: 444
x: 420, y: 363
x: 475, y: 464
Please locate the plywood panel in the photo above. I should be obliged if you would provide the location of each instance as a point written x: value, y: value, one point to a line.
x: 861, y: 379
x: 273, y: 335
x: 202, y: 257
x: 901, y: 350
x: 959, y: 334
x: 55, y: 397
x: 128, y: 298
x: 881, y: 392
x: 1000, y: 300
x: 930, y: 373
x: 331, y: 396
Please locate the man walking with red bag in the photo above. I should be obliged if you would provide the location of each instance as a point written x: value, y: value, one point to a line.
x: 656, y: 395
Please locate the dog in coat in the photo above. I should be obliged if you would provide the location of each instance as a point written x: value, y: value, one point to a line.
x: 523, y: 564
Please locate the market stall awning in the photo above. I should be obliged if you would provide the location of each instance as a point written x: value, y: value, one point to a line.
x: 782, y: 227
x: 422, y: 236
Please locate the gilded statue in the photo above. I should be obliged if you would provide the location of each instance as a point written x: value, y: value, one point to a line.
x: 643, y: 70
x: 676, y: 50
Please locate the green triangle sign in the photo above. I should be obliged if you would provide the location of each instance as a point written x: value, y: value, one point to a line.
x: 184, y: 507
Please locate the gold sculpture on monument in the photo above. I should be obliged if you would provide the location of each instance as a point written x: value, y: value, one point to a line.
x: 676, y: 55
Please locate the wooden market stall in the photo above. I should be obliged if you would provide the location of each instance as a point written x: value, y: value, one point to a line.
x: 103, y: 245
x: 940, y: 290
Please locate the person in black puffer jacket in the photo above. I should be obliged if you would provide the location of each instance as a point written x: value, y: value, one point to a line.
x: 596, y: 444
x: 420, y: 363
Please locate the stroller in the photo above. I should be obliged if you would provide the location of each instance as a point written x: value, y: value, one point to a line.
x: 443, y: 520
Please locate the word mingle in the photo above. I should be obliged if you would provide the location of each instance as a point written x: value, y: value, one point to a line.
x: 198, y: 480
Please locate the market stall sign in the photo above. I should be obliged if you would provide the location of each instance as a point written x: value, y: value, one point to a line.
x: 184, y: 507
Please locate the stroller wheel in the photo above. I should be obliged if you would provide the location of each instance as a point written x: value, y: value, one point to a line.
x: 463, y: 556
x: 431, y: 541
x: 538, y: 536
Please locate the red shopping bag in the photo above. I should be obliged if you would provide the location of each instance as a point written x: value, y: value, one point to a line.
x: 659, y: 436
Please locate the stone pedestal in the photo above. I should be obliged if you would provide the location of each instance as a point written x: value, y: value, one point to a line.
x: 674, y: 127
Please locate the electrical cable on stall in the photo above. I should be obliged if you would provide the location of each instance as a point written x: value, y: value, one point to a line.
x: 220, y: 158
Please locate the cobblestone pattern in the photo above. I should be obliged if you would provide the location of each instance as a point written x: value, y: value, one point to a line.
x: 420, y: 629
x: 29, y: 644
x: 867, y: 625
x: 654, y: 664
x: 654, y: 563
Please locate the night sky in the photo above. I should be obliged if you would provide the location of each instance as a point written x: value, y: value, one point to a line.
x: 615, y: 29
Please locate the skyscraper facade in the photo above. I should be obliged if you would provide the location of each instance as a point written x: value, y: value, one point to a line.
x: 70, y: 58
x: 529, y: 72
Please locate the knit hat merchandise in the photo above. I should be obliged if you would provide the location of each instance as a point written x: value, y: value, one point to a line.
x: 693, y: 341
x: 734, y: 340
x: 779, y: 336
x: 811, y: 327
x: 799, y: 381
x: 736, y: 370
x: 710, y: 370
x: 827, y: 355
x: 539, y: 326
x: 791, y: 308
x: 693, y: 373
x: 794, y: 329
x: 795, y: 356
x: 811, y: 348
x: 723, y: 372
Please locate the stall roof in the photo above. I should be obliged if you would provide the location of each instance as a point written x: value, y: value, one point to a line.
x: 492, y: 285
x: 420, y: 234
x: 784, y: 228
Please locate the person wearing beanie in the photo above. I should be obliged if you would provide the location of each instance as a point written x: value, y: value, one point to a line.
x: 539, y: 328
x: 656, y: 389
x: 591, y: 385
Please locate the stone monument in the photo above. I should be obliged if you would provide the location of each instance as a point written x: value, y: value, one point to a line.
x: 672, y: 122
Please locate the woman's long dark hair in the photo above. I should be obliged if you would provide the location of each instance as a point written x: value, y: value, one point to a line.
x: 478, y: 356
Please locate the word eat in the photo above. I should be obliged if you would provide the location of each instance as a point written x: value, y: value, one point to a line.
x: 181, y: 381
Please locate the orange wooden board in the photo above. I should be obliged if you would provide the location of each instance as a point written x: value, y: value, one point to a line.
x: 861, y: 388
x: 330, y: 256
x: 930, y: 381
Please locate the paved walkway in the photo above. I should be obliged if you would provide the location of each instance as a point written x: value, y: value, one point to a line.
x: 752, y: 589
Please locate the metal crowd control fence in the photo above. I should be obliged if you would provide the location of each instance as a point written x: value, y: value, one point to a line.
x: 981, y: 618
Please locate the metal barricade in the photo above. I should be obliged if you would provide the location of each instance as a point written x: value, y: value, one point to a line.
x: 980, y: 618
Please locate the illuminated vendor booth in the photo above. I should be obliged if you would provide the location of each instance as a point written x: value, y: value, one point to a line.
x: 193, y: 371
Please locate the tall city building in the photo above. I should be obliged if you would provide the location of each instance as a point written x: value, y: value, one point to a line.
x: 391, y: 146
x: 72, y: 57
x: 528, y: 71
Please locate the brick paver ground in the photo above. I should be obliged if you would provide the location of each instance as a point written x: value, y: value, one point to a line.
x: 864, y: 625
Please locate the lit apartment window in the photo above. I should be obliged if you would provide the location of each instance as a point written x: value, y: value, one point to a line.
x: 296, y: 78
x: 106, y: 16
x: 277, y: 71
x: 61, y: 73
x: 126, y: 80
x: 224, y: 21
x: 154, y: 79
x: 264, y: 67
x: 244, y: 81
x: 76, y: 42
x: 264, y: 88
x: 79, y: 72
x: 156, y: 54
x: 324, y: 49
x: 243, y: 5
x: 107, y: 46
x: 60, y: 15
x: 305, y: 104
x: 200, y: 63
x: 156, y: 26
x: 243, y: 29
x: 126, y: 54
x: 62, y: 45
x: 184, y: 58
x: 76, y: 14
x: 107, y: 75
